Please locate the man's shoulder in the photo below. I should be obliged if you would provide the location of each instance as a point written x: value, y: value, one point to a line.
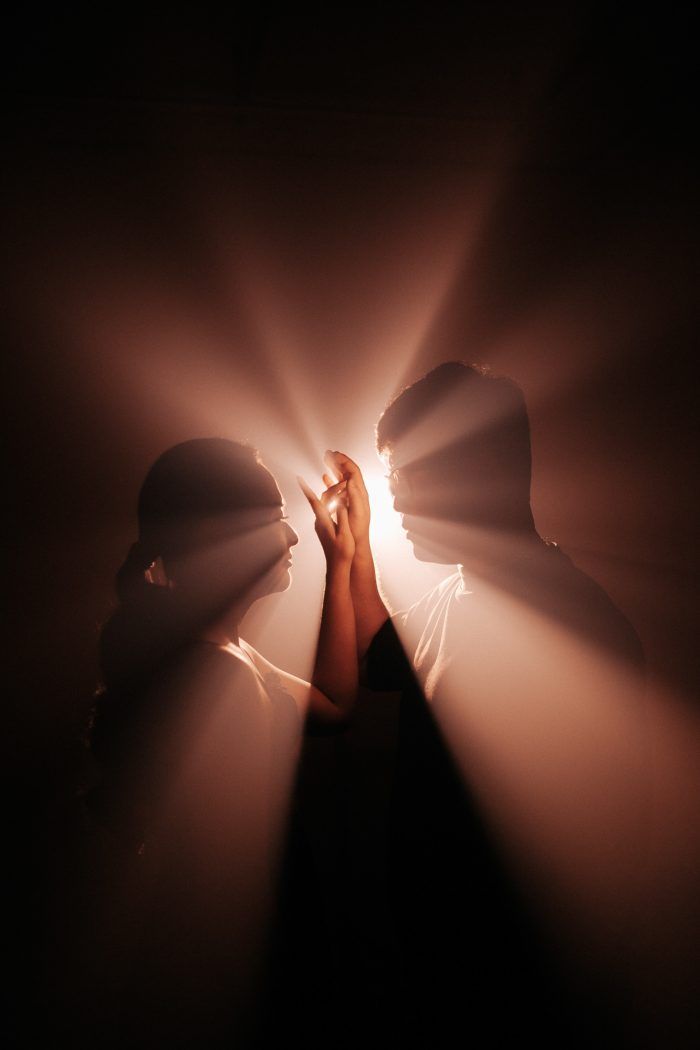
x: 585, y: 607
x: 386, y: 655
x: 432, y: 599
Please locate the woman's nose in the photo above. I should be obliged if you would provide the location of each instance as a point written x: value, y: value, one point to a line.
x: 292, y: 538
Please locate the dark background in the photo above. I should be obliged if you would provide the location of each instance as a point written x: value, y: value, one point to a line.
x: 263, y: 225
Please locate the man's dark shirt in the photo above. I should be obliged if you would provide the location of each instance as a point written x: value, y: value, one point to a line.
x: 518, y: 762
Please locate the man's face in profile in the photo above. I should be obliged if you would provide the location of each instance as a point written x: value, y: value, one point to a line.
x: 428, y: 497
x: 457, y: 502
x: 458, y: 453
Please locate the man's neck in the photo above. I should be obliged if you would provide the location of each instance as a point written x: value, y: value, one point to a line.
x: 494, y: 554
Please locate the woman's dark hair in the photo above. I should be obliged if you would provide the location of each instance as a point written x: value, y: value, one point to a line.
x: 203, y: 480
x: 200, y: 484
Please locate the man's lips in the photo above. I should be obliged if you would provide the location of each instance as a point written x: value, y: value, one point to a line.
x: 413, y: 532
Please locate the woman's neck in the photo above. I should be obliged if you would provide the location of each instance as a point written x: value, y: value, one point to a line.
x: 224, y: 630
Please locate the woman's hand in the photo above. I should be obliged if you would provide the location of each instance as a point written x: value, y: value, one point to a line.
x: 349, y: 474
x: 336, y: 537
x: 336, y: 668
x: 369, y: 609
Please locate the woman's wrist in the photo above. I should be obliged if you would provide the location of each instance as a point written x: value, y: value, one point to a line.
x: 338, y: 570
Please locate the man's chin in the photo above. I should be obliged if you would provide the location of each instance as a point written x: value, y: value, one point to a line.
x: 422, y: 551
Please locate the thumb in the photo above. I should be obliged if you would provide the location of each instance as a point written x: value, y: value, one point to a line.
x: 356, y: 487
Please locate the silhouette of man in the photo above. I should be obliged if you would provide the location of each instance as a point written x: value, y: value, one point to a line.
x: 516, y: 830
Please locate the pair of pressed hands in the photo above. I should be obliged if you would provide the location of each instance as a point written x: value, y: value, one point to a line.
x: 345, y: 496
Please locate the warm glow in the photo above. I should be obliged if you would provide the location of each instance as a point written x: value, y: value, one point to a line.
x: 385, y: 528
x: 264, y: 226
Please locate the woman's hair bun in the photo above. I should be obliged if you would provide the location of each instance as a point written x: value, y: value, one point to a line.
x: 131, y: 577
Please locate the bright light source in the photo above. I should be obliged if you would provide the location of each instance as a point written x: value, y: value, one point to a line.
x: 385, y: 526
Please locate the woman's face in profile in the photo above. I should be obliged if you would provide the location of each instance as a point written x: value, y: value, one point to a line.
x: 242, y: 553
x: 275, y: 540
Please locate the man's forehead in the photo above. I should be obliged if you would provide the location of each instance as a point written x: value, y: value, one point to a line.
x: 397, y: 458
x: 392, y: 457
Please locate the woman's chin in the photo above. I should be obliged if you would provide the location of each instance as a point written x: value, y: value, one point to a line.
x: 279, y: 578
x: 285, y: 578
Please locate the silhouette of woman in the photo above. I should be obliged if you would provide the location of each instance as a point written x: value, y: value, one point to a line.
x: 197, y: 734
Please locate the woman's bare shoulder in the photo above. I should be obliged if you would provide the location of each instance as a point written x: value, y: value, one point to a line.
x: 205, y: 675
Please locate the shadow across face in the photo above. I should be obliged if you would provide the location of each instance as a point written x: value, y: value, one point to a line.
x: 464, y: 478
x: 211, y: 518
x: 214, y: 516
x: 458, y: 446
x: 236, y: 556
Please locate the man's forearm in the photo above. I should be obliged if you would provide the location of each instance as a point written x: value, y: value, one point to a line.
x: 370, y: 610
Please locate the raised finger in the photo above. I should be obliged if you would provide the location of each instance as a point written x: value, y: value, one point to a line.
x: 330, y: 463
x: 346, y: 467
x: 317, y: 506
x: 333, y: 491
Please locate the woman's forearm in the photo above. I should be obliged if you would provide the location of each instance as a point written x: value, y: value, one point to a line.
x: 335, y: 671
x: 369, y: 609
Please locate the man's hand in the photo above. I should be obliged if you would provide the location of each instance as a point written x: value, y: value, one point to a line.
x: 370, y: 611
x: 349, y: 480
